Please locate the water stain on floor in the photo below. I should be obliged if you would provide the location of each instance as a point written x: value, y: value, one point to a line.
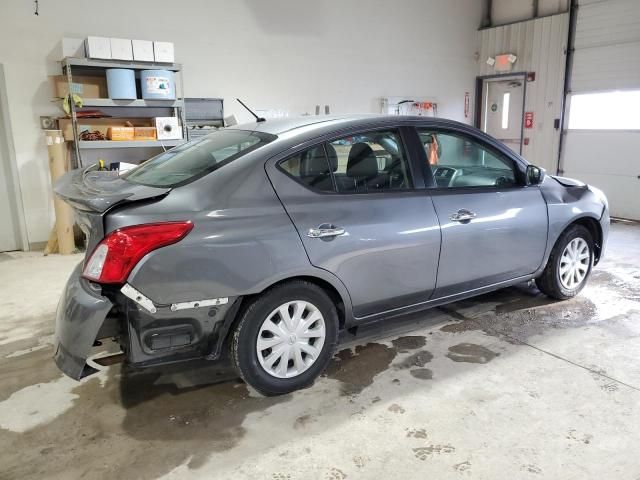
x: 421, y: 373
x: 408, y: 343
x: 418, y: 359
x: 357, y: 367
x: 470, y: 353
x: 125, y: 420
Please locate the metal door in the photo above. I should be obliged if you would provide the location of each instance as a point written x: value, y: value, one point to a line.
x: 505, y: 238
x: 494, y: 228
x: 383, y: 246
x: 502, y: 110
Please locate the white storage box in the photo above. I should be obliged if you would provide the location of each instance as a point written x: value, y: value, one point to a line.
x: 121, y: 49
x: 98, y: 47
x: 163, y: 52
x: 72, y: 47
x: 168, y: 128
x: 142, y: 50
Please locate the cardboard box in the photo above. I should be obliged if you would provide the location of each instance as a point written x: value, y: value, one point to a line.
x: 98, y: 47
x: 163, y: 52
x: 85, y: 86
x: 144, y: 133
x: 142, y: 50
x: 71, y: 47
x: 121, y: 49
x: 100, y: 124
x: 120, y: 133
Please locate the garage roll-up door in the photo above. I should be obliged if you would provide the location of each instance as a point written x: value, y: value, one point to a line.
x: 606, y: 59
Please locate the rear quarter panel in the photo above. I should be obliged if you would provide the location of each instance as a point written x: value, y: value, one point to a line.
x: 242, y: 241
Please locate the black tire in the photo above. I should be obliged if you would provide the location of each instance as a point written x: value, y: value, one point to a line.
x: 549, y: 282
x: 243, y: 343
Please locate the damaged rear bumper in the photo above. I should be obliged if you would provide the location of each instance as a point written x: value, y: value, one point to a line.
x: 149, y: 333
x: 81, y: 312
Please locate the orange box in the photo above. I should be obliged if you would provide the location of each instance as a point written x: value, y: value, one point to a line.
x: 120, y: 133
x: 145, y: 133
x: 100, y: 124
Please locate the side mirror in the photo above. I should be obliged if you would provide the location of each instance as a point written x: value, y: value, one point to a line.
x: 535, y: 175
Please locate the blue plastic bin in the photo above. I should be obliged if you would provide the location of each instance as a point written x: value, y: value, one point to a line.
x: 121, y: 84
x: 157, y: 85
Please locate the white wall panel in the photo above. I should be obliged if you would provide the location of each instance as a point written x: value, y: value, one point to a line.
x: 280, y: 54
x: 613, y: 67
x: 540, y: 46
x: 606, y: 57
x: 609, y: 161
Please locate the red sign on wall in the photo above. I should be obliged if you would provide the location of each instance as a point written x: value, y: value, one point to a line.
x: 528, y: 119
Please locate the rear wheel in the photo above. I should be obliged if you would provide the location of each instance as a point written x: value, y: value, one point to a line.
x: 285, y: 338
x: 569, y: 264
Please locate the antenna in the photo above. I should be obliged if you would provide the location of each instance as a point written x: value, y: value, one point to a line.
x: 258, y: 119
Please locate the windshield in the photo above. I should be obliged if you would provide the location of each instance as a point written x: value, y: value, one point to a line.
x: 192, y: 160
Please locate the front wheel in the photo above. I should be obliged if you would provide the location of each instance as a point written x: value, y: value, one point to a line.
x: 569, y: 264
x: 285, y: 338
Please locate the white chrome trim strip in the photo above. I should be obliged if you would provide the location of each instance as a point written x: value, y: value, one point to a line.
x: 139, y: 298
x: 199, y: 303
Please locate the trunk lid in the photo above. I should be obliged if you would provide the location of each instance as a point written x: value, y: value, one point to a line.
x: 92, y: 193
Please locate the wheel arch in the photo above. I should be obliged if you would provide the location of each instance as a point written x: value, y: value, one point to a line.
x: 595, y: 229
x: 337, y: 293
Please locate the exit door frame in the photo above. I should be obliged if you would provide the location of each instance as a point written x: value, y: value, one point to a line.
x: 8, y: 155
x: 478, y: 103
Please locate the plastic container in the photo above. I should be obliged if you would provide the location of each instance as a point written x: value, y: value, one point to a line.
x: 121, y: 84
x: 157, y: 85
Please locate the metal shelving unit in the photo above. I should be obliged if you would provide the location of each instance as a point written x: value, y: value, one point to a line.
x: 100, y: 144
x: 152, y: 108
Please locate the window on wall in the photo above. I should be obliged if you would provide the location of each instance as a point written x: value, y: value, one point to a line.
x: 505, y: 110
x: 615, y: 110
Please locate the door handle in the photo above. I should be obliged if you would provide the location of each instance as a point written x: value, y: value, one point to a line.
x: 325, y: 230
x: 462, y: 215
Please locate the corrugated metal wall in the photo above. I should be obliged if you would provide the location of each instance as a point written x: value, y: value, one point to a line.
x: 606, y: 57
x: 607, y: 46
x: 540, y: 46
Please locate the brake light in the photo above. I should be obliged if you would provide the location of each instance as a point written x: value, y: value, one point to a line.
x: 120, y: 251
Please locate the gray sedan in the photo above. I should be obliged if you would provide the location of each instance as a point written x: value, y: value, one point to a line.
x: 267, y: 239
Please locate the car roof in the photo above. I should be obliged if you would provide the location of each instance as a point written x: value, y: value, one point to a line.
x: 310, y: 123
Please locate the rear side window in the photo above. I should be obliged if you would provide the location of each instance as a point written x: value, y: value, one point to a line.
x: 195, y: 159
x: 312, y: 168
x: 370, y: 162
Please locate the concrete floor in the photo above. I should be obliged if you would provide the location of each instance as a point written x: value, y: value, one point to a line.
x: 509, y: 385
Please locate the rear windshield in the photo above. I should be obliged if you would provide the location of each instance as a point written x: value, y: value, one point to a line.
x: 192, y: 160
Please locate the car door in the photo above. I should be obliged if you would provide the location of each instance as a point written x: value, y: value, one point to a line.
x: 355, y: 206
x: 494, y: 226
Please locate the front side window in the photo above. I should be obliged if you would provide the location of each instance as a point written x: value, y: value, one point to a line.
x: 457, y: 161
x: 370, y: 162
x: 194, y: 159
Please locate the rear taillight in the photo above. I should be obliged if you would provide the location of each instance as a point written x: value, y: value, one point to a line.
x: 120, y: 251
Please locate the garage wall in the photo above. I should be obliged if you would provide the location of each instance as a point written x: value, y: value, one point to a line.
x: 606, y: 58
x: 278, y: 54
x: 540, y: 47
x: 509, y: 11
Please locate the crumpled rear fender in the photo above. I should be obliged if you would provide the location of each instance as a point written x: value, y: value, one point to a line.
x: 81, y: 312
